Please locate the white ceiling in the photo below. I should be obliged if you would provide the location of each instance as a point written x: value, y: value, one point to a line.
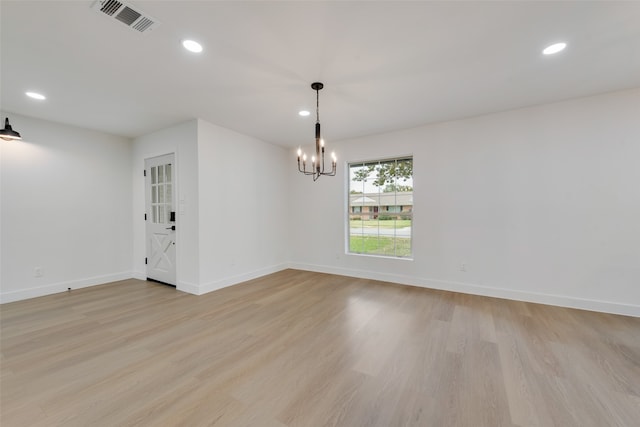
x: 386, y: 65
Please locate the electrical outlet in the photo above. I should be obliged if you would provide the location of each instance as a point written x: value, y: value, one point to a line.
x: 38, y: 272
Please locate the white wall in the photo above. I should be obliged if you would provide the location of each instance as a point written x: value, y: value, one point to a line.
x: 243, y: 207
x: 182, y: 140
x: 541, y: 204
x: 66, y: 208
x: 233, y: 205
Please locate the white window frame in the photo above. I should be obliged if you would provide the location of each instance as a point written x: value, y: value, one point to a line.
x: 380, y: 211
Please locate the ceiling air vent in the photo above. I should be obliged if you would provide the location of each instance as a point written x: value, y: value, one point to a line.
x: 125, y: 13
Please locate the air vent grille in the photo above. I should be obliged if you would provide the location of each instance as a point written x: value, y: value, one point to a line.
x: 127, y: 14
x: 110, y: 7
x: 143, y: 24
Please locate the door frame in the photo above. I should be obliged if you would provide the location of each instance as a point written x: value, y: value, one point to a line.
x: 176, y: 195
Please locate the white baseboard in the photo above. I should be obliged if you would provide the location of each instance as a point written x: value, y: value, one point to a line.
x: 234, y: 280
x: 54, y: 288
x: 468, y: 288
x: 189, y: 288
x: 140, y: 275
x: 474, y: 289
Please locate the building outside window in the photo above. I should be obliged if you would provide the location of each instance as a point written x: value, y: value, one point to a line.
x: 381, y: 207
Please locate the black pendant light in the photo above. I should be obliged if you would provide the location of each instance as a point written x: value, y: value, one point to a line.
x: 317, y: 161
x: 8, y: 134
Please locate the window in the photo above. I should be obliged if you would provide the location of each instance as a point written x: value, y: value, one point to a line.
x: 161, y: 200
x: 381, y: 207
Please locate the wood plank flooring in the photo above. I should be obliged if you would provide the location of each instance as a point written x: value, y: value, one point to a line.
x: 307, y: 349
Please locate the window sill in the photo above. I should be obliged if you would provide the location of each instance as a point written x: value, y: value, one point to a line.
x: 380, y: 256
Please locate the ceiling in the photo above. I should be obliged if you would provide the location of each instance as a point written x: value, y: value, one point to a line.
x: 386, y: 65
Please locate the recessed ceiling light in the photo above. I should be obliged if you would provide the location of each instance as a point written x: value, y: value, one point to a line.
x: 192, y: 46
x: 554, y: 48
x: 36, y: 95
x: 304, y: 113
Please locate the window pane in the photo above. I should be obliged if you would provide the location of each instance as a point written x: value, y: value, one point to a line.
x: 160, y: 193
x: 387, y: 177
x: 154, y: 193
x: 153, y: 175
x: 154, y: 214
x: 358, y: 174
x: 161, y: 215
x: 160, y: 174
x: 167, y: 172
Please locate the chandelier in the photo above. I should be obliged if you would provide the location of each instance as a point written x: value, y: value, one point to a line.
x: 317, y: 161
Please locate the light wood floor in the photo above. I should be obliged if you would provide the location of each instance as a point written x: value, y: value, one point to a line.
x: 306, y: 349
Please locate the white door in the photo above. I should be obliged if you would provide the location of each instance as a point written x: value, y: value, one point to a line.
x: 160, y: 218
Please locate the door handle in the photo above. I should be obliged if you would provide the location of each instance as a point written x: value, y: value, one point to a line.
x: 173, y: 227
